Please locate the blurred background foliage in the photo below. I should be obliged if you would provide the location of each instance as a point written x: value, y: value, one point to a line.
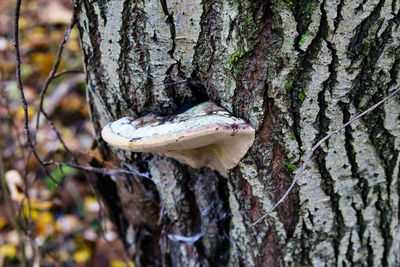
x: 41, y: 223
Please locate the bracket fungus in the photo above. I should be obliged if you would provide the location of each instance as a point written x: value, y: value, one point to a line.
x: 204, y: 135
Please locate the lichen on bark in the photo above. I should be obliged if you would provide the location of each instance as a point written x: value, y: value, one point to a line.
x: 295, y: 71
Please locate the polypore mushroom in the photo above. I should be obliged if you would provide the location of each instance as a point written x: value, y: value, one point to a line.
x: 204, y: 135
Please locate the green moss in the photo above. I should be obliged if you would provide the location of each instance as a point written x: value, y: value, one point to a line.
x: 349, y: 53
x: 290, y: 167
x: 301, y: 96
x: 250, y: 18
x: 288, y: 4
x: 247, y: 27
x: 303, y: 37
x: 279, y: 140
x: 233, y: 59
x: 308, y: 9
x: 288, y: 85
x: 271, y: 73
x: 293, y: 137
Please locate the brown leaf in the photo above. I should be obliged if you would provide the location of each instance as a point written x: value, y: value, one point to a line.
x: 55, y: 13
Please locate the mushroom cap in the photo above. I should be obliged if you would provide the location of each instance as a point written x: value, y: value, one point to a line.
x: 204, y: 135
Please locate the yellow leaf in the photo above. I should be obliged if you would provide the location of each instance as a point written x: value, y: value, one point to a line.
x: 119, y: 263
x: 40, y: 205
x: 91, y: 204
x: 44, y: 61
x: 23, y: 23
x: 8, y: 250
x: 82, y: 255
x: 33, y: 212
x: 45, y: 224
x: 74, y: 45
x: 3, y: 222
x: 36, y: 208
x: 20, y: 114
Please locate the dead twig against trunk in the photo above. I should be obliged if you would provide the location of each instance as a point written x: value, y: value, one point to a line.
x: 97, y: 170
x: 309, y: 155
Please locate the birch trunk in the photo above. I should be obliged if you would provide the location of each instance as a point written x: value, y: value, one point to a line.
x: 295, y: 70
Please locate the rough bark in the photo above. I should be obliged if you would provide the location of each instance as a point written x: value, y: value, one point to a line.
x: 295, y: 70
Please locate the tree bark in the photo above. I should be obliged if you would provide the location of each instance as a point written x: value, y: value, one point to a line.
x: 295, y: 70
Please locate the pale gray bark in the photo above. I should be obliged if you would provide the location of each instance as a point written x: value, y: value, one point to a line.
x: 295, y: 70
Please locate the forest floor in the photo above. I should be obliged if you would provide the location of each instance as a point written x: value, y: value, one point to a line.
x: 48, y: 216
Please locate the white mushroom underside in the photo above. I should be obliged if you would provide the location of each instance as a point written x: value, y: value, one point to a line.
x: 205, y: 135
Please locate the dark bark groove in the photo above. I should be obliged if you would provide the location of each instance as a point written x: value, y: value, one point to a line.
x: 296, y: 71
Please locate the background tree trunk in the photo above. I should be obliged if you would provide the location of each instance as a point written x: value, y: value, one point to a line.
x: 295, y: 70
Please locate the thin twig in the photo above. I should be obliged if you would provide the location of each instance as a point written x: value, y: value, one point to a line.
x: 26, y: 191
x: 53, y: 100
x: 298, y: 175
x: 53, y: 127
x: 55, y: 65
x: 21, y: 90
x: 64, y: 72
x: 25, y: 179
x: 96, y: 170
x: 51, y: 76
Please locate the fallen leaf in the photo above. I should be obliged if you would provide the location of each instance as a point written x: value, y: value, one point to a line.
x: 3, y: 222
x: 55, y: 13
x: 119, y: 263
x: 8, y: 250
x: 82, y: 255
x: 68, y: 224
x: 91, y: 204
x: 15, y: 185
x: 45, y: 224
x: 44, y: 61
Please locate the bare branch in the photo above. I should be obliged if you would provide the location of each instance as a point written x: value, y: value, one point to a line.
x: 56, y: 64
x: 21, y: 90
x: 97, y: 170
x: 64, y: 72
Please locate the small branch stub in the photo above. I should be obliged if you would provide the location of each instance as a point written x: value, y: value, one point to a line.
x: 204, y: 135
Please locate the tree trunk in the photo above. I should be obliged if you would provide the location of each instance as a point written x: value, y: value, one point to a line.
x: 295, y: 70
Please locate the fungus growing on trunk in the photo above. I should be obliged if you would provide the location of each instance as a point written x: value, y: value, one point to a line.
x: 204, y: 135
